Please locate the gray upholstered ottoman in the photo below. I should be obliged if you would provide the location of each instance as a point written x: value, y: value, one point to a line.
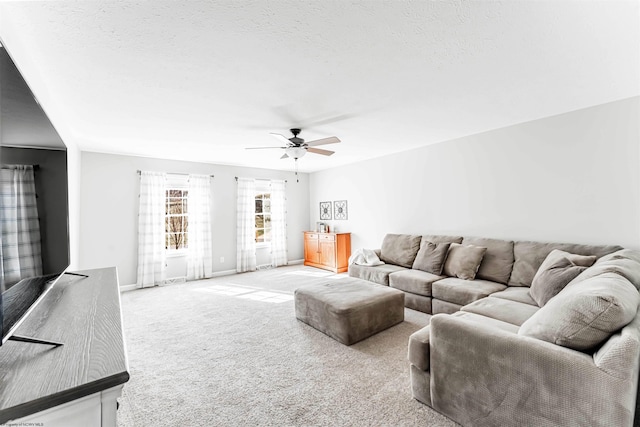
x: 349, y: 310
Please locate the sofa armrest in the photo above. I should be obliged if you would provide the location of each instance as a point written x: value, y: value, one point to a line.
x: 487, y: 376
x: 418, y: 352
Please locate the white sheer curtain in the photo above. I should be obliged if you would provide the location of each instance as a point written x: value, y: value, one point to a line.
x: 199, y: 252
x: 20, y: 228
x: 151, y: 229
x: 246, y: 223
x: 278, y: 223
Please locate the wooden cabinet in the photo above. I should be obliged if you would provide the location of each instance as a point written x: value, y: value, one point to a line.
x: 329, y: 251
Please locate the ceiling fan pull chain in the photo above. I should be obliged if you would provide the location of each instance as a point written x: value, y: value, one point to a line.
x: 296, y: 163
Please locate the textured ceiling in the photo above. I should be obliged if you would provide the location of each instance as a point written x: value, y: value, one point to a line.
x: 202, y: 80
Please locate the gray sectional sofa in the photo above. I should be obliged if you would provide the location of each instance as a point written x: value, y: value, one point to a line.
x: 541, y: 334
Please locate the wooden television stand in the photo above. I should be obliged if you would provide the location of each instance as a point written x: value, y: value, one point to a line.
x: 77, y: 383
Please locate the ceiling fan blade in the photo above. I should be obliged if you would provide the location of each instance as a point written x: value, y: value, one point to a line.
x: 281, y: 138
x: 320, y: 151
x: 284, y: 156
x: 260, y: 148
x: 323, y: 141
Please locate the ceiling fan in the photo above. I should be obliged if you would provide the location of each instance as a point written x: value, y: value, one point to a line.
x: 297, y: 147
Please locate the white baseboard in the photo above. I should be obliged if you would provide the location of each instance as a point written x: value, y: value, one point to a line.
x: 223, y: 273
x: 126, y: 288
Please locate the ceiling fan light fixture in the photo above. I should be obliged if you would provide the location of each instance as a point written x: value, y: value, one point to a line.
x: 295, y: 152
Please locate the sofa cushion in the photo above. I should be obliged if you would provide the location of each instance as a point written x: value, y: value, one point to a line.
x: 626, y: 267
x: 400, y: 249
x: 583, y: 316
x: 517, y: 293
x: 626, y: 253
x: 378, y: 274
x: 486, y: 322
x: 463, y: 292
x: 551, y: 279
x: 463, y: 261
x: 497, y: 262
x: 417, y: 302
x: 505, y: 310
x: 414, y: 281
x: 440, y: 306
x: 621, y: 351
x: 436, y: 238
x: 430, y: 257
x: 530, y: 255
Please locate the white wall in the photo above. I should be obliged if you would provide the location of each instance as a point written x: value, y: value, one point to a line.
x: 567, y: 178
x: 109, y: 211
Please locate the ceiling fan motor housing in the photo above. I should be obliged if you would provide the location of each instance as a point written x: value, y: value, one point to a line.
x: 295, y: 140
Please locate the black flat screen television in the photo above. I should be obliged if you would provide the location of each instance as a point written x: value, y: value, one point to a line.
x: 27, y: 137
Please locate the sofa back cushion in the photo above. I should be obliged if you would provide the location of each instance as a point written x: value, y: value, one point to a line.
x: 400, y: 249
x: 530, y: 255
x: 628, y: 268
x: 497, y: 262
x: 430, y: 257
x: 625, y: 253
x: 583, y: 316
x: 463, y: 261
x: 436, y: 238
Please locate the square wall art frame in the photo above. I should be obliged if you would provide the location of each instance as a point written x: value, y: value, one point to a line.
x: 340, y: 209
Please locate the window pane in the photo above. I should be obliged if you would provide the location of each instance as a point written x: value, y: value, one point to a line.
x: 267, y: 195
x: 267, y: 235
x: 176, y: 219
x: 258, y: 206
x: 259, y: 235
x: 267, y: 221
x: 259, y: 221
x: 266, y: 205
x: 172, y: 241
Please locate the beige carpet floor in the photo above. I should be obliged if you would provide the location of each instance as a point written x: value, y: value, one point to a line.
x: 229, y: 352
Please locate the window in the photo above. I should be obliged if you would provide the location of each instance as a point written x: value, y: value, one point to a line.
x: 176, y: 220
x: 263, y: 217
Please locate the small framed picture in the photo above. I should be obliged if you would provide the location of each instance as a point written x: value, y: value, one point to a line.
x: 325, y: 210
x: 340, y: 209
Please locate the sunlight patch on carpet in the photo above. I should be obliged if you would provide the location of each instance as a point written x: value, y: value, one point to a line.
x: 246, y: 292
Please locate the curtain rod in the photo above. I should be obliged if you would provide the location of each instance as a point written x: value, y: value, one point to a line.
x: 35, y: 167
x: 171, y: 173
x: 260, y: 179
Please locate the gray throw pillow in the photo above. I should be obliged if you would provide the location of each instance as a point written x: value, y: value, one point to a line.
x: 556, y: 254
x: 583, y: 316
x: 400, y: 249
x: 463, y: 261
x: 431, y: 257
x: 548, y: 283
